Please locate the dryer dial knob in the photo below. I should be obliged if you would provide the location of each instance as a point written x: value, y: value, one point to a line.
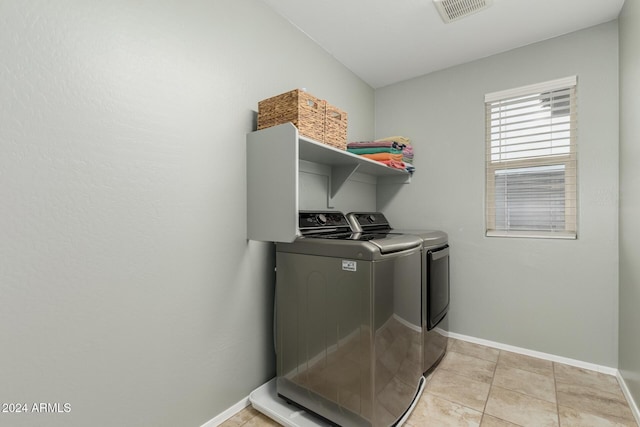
x: 321, y: 219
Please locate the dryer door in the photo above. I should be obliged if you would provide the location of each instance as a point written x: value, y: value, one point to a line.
x: 437, y: 285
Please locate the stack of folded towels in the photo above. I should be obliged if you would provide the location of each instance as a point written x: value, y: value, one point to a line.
x: 395, y: 151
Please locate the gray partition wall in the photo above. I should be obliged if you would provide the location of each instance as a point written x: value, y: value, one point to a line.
x: 553, y: 296
x: 630, y: 197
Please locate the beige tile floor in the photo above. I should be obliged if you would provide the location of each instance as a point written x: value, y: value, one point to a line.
x: 476, y: 385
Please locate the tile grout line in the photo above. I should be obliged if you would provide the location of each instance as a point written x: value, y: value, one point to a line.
x: 439, y: 367
x: 525, y: 394
x: 555, y: 389
x: 613, y: 395
x: 484, y: 408
x: 500, y: 351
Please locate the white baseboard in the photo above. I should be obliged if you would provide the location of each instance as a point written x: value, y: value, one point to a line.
x: 540, y: 355
x: 627, y: 394
x: 219, y: 419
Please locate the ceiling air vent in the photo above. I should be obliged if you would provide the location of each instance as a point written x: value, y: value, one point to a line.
x: 452, y: 10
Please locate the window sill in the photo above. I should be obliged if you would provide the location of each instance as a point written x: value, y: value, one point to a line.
x: 566, y: 235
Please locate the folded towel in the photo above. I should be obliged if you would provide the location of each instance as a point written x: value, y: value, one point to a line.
x: 373, y: 150
x: 383, y: 156
x: 409, y: 167
x: 400, y: 139
x: 393, y: 164
x: 407, y: 157
x: 393, y: 151
x: 372, y: 144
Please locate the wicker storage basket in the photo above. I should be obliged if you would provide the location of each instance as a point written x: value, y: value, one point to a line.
x: 304, y: 110
x: 335, y: 127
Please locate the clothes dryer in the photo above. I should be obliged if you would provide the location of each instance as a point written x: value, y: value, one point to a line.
x: 435, y: 284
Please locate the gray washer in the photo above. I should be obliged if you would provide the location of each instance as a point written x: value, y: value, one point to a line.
x: 348, y: 323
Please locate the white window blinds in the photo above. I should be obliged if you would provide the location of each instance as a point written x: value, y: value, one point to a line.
x: 531, y: 176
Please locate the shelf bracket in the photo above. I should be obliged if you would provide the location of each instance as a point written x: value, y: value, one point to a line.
x: 339, y: 175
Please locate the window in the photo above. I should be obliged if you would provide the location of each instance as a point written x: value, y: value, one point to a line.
x: 531, y: 151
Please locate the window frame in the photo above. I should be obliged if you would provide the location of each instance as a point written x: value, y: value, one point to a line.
x: 568, y: 160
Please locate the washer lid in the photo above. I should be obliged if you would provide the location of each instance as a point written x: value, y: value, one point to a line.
x: 356, y: 246
x: 396, y: 243
x: 429, y: 237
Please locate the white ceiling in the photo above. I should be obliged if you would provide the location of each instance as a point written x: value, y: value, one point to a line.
x: 387, y: 41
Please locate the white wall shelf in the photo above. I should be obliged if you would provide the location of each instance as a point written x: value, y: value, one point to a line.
x: 273, y: 157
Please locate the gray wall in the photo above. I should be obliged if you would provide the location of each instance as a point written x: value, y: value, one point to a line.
x: 553, y: 296
x: 127, y: 287
x: 629, y: 357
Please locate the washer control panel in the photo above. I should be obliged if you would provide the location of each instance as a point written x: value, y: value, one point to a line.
x: 322, y: 221
x: 369, y: 221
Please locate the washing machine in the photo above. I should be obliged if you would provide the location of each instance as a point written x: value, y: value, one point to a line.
x: 435, y: 284
x: 348, y: 328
